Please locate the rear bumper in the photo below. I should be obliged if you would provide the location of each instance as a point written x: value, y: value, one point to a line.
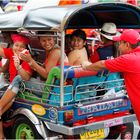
x: 92, y: 126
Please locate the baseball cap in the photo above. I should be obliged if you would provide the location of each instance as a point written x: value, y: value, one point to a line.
x: 129, y: 35
x: 21, y: 38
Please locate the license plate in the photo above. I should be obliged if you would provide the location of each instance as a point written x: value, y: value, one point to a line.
x: 94, y: 134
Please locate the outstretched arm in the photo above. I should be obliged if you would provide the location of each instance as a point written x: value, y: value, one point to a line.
x: 53, y: 58
x: 94, y: 66
x: 33, y: 64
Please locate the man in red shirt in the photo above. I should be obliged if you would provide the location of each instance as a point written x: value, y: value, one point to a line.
x: 127, y: 63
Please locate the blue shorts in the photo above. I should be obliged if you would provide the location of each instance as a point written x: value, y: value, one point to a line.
x: 14, y: 86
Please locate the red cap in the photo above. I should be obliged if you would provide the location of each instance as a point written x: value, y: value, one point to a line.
x: 20, y: 38
x: 130, y: 35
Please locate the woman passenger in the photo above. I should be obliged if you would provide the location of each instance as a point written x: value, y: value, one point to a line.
x: 52, y: 59
x: 53, y: 55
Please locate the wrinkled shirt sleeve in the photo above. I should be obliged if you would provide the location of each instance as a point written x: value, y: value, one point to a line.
x: 122, y: 63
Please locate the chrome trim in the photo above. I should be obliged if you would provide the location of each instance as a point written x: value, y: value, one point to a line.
x: 84, y: 128
x: 62, y: 70
x: 30, y: 115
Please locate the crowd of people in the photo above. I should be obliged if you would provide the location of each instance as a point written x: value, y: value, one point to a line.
x: 22, y: 65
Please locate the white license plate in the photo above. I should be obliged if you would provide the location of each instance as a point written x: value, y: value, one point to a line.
x: 94, y: 134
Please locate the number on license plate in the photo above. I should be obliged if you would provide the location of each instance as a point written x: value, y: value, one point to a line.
x: 95, y: 134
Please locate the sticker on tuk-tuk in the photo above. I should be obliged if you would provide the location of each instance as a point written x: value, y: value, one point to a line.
x: 38, y: 109
x: 52, y: 113
x: 113, y: 122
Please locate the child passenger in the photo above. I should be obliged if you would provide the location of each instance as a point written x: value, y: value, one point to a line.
x: 68, y: 38
x: 16, y: 67
x: 79, y: 52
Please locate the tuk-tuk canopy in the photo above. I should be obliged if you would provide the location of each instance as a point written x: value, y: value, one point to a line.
x: 72, y: 17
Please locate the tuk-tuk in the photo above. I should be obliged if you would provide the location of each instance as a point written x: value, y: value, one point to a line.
x: 74, y: 110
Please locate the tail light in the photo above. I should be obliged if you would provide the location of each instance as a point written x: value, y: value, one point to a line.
x: 79, y: 122
x: 68, y: 115
x: 91, y: 120
x: 19, y: 7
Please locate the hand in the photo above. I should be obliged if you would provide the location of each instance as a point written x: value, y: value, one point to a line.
x: 26, y: 57
x: 16, y: 61
x: 25, y: 51
x: 85, y: 64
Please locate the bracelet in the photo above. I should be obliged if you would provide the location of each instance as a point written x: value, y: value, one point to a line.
x: 30, y: 63
x: 19, y: 67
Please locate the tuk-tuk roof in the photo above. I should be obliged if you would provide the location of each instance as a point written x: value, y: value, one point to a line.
x: 71, y: 17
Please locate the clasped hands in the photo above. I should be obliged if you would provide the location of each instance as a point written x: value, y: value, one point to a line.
x: 22, y: 56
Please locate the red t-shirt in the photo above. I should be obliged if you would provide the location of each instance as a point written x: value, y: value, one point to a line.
x: 129, y: 65
x: 94, y: 57
x: 12, y: 69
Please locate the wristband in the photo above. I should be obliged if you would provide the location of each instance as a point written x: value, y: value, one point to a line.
x: 19, y: 67
x: 30, y: 63
x: 83, y: 67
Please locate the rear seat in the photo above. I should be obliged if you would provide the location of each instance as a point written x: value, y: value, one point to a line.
x: 79, y: 78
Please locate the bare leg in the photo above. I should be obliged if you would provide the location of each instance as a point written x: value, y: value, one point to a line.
x: 5, y: 103
x: 1, y: 131
x: 7, y: 107
x: 6, y: 99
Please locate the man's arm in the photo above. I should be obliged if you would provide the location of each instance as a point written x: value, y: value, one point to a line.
x: 94, y: 66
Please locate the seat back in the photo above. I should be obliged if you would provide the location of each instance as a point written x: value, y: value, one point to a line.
x: 81, y: 84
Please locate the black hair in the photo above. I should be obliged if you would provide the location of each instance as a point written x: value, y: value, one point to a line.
x: 79, y: 33
x: 67, y: 37
x: 45, y: 33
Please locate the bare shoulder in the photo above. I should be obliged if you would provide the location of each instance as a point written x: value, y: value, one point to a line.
x: 73, y: 52
x: 55, y: 50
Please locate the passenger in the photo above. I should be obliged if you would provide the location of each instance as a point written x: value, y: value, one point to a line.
x: 106, y: 48
x: 5, y: 43
x: 79, y: 51
x: 17, y: 67
x: 127, y: 63
x: 53, y: 55
x: 68, y: 38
